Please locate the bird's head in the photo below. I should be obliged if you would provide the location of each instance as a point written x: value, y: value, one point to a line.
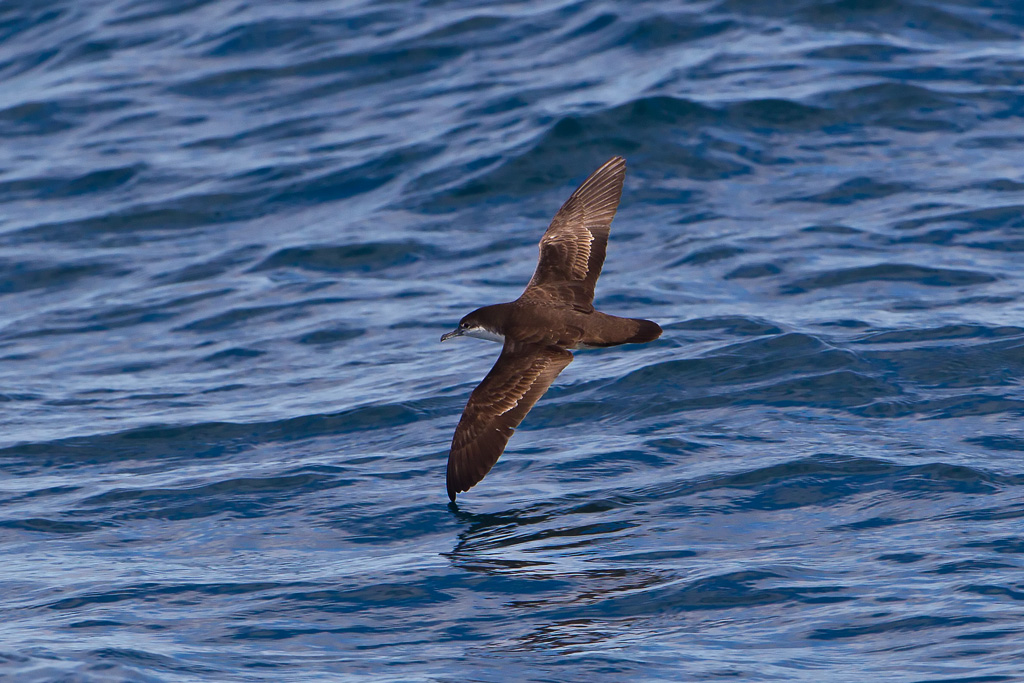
x: 479, y: 324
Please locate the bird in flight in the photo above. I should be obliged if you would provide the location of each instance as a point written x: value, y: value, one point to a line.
x: 555, y: 313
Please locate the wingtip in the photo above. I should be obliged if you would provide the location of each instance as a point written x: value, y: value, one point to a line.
x: 602, y: 188
x: 453, y: 489
x: 615, y: 162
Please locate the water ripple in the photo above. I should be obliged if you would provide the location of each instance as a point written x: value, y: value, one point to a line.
x: 233, y: 232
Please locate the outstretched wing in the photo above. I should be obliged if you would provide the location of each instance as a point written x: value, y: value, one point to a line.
x: 573, y: 248
x: 520, y: 376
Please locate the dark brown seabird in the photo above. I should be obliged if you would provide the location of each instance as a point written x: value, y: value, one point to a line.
x: 554, y: 313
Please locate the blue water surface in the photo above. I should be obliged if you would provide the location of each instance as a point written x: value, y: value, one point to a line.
x: 231, y: 233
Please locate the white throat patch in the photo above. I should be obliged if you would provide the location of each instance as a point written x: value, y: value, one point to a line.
x: 481, y: 333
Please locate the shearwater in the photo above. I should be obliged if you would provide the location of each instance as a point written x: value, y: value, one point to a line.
x: 555, y: 313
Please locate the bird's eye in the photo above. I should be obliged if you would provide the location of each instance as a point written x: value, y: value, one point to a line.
x: 463, y: 325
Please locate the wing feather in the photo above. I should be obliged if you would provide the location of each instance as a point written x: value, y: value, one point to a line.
x: 520, y: 376
x: 573, y: 248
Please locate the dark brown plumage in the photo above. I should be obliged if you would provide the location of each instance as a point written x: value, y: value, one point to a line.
x: 554, y: 313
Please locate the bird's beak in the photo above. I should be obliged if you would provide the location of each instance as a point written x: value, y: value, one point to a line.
x: 453, y: 333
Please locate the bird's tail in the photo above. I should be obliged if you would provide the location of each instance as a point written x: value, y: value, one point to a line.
x: 615, y: 331
x: 645, y: 331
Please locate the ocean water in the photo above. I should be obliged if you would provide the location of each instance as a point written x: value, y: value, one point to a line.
x: 232, y: 232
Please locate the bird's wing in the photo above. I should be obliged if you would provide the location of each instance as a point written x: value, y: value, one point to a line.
x: 573, y: 248
x: 520, y: 376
